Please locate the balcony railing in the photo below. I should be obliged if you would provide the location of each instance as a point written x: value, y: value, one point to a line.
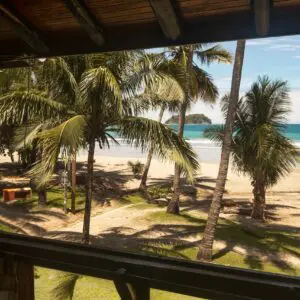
x: 135, y: 274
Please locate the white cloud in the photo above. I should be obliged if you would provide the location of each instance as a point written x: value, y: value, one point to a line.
x: 295, y: 113
x: 297, y: 56
x: 283, y: 47
x: 259, y: 42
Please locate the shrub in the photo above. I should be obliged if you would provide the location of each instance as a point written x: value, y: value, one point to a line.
x: 136, y: 168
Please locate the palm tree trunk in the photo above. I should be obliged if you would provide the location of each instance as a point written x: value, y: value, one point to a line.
x: 89, y: 192
x: 73, y: 187
x: 259, y: 202
x: 206, y: 245
x: 173, y: 206
x: 42, y: 197
x: 143, y: 184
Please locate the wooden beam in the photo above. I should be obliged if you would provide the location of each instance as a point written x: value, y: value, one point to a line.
x: 262, y: 16
x: 86, y: 20
x: 167, y: 18
x: 21, y: 26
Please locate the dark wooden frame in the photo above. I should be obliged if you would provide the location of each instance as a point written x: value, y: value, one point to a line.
x: 143, y: 272
x: 231, y: 26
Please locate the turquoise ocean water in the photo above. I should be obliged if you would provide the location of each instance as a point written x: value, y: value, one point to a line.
x: 194, y: 132
x: 206, y: 149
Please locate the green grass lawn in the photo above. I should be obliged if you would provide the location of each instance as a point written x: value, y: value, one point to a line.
x: 190, y: 224
x: 275, y: 242
x: 5, y: 228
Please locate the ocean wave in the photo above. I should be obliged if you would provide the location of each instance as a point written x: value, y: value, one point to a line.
x: 197, y: 143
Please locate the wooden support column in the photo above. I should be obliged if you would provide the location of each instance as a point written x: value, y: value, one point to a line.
x: 8, y: 281
x: 262, y: 16
x: 16, y: 279
x: 139, y: 290
x: 166, y: 17
x: 25, y: 280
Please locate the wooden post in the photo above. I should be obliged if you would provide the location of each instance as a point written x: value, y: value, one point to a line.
x: 138, y: 290
x: 25, y: 277
x: 8, y: 282
x: 73, y: 185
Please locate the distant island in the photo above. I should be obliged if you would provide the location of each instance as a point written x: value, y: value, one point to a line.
x: 191, y: 119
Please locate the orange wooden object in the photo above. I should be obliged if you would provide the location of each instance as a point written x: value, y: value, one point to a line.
x: 22, y: 193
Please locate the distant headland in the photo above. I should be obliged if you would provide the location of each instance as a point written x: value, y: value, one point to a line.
x: 191, y: 119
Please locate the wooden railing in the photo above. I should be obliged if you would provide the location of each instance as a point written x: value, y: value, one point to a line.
x: 135, y: 274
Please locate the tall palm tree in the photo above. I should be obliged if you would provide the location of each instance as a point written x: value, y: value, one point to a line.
x: 196, y: 84
x: 102, y: 105
x: 206, y: 246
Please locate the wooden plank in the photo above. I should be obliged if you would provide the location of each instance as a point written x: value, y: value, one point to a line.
x: 262, y: 16
x: 167, y: 18
x: 22, y: 27
x: 86, y: 20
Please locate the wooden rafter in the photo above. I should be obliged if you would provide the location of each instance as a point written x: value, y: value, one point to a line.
x: 86, y: 20
x: 262, y: 16
x: 21, y: 26
x: 167, y: 18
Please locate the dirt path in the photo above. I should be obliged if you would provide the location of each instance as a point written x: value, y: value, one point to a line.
x: 116, y: 218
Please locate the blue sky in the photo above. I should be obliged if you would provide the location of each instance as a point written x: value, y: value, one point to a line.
x: 279, y: 58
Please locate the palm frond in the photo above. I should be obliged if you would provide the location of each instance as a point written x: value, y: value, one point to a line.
x: 17, y: 107
x: 25, y: 135
x: 214, y: 54
x: 215, y: 133
x: 66, y: 287
x: 202, y: 86
x: 101, y: 89
x: 57, y: 77
x: 63, y: 139
x: 144, y: 133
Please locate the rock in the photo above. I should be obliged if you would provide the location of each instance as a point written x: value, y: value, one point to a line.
x: 189, y: 190
x: 228, y: 203
x: 160, y: 201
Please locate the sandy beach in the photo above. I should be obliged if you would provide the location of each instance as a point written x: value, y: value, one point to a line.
x: 237, y: 183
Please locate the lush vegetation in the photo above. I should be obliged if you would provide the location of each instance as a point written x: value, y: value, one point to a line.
x: 59, y: 106
x: 259, y: 146
x: 190, y: 119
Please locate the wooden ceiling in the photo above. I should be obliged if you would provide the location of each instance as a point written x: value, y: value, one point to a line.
x: 62, y: 27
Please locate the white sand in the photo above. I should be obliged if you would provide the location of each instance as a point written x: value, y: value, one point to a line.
x: 237, y: 183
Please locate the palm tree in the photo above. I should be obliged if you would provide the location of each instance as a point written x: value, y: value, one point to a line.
x: 205, y: 248
x: 166, y: 99
x: 260, y: 149
x: 196, y: 84
x: 102, y: 105
x: 52, y: 77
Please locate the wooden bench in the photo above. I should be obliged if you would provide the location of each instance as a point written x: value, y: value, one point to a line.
x: 17, y: 193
